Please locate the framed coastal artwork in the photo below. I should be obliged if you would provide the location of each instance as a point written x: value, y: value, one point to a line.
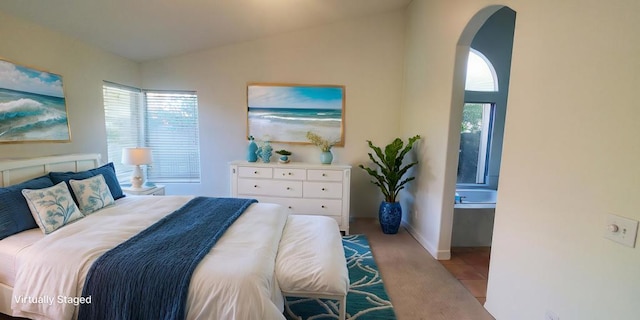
x: 286, y: 112
x: 32, y: 105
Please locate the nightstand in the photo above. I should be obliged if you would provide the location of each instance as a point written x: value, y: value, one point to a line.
x: 157, y: 190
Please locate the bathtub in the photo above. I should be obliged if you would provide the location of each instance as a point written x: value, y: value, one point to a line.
x: 473, y: 217
x: 475, y: 198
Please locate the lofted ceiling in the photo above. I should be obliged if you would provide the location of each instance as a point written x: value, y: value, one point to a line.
x: 143, y: 30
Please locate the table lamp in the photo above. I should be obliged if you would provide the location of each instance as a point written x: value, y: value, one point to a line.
x: 136, y: 157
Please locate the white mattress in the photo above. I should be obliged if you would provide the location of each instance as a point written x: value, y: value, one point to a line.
x: 9, y: 249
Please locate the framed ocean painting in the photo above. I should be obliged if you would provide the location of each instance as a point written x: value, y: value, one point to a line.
x: 286, y: 112
x: 32, y: 105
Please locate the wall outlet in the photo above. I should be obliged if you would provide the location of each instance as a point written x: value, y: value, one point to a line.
x: 550, y: 315
x: 621, y: 230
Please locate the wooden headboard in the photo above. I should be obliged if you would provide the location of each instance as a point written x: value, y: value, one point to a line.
x: 14, y: 171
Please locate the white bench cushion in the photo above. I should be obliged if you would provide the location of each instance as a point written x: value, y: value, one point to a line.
x: 310, y: 260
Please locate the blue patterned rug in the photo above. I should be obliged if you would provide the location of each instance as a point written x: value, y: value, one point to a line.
x: 367, y: 298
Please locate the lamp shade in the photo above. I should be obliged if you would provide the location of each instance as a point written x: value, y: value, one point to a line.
x: 136, y: 156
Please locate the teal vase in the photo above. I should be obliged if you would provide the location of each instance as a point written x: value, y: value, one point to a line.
x: 251, y: 152
x: 390, y: 216
x: 326, y: 157
x: 265, y: 151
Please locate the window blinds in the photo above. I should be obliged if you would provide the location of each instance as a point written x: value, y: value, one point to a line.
x: 165, y: 121
x: 123, y: 120
x: 172, y: 134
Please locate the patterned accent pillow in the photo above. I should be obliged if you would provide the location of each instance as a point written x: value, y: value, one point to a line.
x: 92, y: 194
x: 53, y: 207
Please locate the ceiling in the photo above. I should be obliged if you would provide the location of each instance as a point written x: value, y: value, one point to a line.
x: 145, y: 30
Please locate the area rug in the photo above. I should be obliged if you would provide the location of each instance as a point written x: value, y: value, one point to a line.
x: 366, y: 299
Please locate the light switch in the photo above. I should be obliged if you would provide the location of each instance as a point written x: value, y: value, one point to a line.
x: 620, y: 229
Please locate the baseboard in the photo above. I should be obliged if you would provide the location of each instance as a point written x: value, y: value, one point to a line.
x: 433, y: 250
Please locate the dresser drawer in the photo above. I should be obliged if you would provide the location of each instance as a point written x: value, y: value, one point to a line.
x: 323, y: 207
x: 331, y: 190
x: 278, y: 188
x: 324, y: 175
x: 289, y: 174
x: 255, y: 172
x: 294, y: 206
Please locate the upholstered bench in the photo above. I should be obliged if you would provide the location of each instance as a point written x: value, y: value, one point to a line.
x: 304, y: 266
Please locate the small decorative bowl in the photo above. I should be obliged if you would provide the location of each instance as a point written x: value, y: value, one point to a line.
x: 283, y: 159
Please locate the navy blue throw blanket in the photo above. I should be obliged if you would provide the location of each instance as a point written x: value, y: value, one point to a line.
x: 147, y: 276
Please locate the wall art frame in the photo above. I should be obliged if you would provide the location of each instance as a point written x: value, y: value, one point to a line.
x: 285, y: 112
x: 32, y: 105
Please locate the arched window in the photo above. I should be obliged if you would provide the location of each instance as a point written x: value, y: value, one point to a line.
x: 481, y: 76
x: 477, y: 115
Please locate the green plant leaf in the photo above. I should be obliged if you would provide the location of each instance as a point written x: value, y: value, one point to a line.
x: 388, y: 176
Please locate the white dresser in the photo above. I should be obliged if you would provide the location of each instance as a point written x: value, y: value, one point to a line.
x: 302, y: 188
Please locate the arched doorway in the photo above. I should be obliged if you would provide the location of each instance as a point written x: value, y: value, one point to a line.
x: 488, y: 37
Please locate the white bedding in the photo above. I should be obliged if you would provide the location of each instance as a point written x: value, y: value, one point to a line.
x: 304, y: 265
x: 234, y: 281
x: 9, y: 249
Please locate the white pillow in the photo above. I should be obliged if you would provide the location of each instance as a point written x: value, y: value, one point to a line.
x: 52, y: 207
x: 92, y: 194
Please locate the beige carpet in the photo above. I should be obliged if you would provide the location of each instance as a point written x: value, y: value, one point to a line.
x: 418, y: 285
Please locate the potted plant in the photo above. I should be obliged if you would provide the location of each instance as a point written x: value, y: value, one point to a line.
x: 284, y: 156
x: 326, y: 157
x: 388, y: 177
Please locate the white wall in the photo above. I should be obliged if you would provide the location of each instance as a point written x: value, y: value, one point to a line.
x: 570, y: 152
x: 365, y: 55
x: 82, y: 67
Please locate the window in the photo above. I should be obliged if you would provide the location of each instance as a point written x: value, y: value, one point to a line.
x: 122, y: 112
x: 474, y: 142
x: 172, y: 134
x: 481, y: 76
x: 477, y: 119
x: 165, y: 121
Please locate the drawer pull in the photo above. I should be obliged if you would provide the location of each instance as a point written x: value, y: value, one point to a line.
x: 322, y: 206
x: 323, y: 189
x: 324, y: 174
x: 290, y: 207
x: 255, y: 185
x: 289, y: 173
x: 288, y: 188
x: 255, y: 172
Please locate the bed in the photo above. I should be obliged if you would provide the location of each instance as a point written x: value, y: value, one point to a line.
x: 237, y: 279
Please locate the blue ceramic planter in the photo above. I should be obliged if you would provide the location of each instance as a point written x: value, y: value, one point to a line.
x: 390, y: 215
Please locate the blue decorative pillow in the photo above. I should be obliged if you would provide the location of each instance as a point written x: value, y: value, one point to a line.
x: 92, y: 194
x: 15, y: 215
x: 108, y: 171
x: 52, y: 207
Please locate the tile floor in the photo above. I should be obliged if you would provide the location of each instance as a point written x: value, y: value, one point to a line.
x: 471, y: 267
